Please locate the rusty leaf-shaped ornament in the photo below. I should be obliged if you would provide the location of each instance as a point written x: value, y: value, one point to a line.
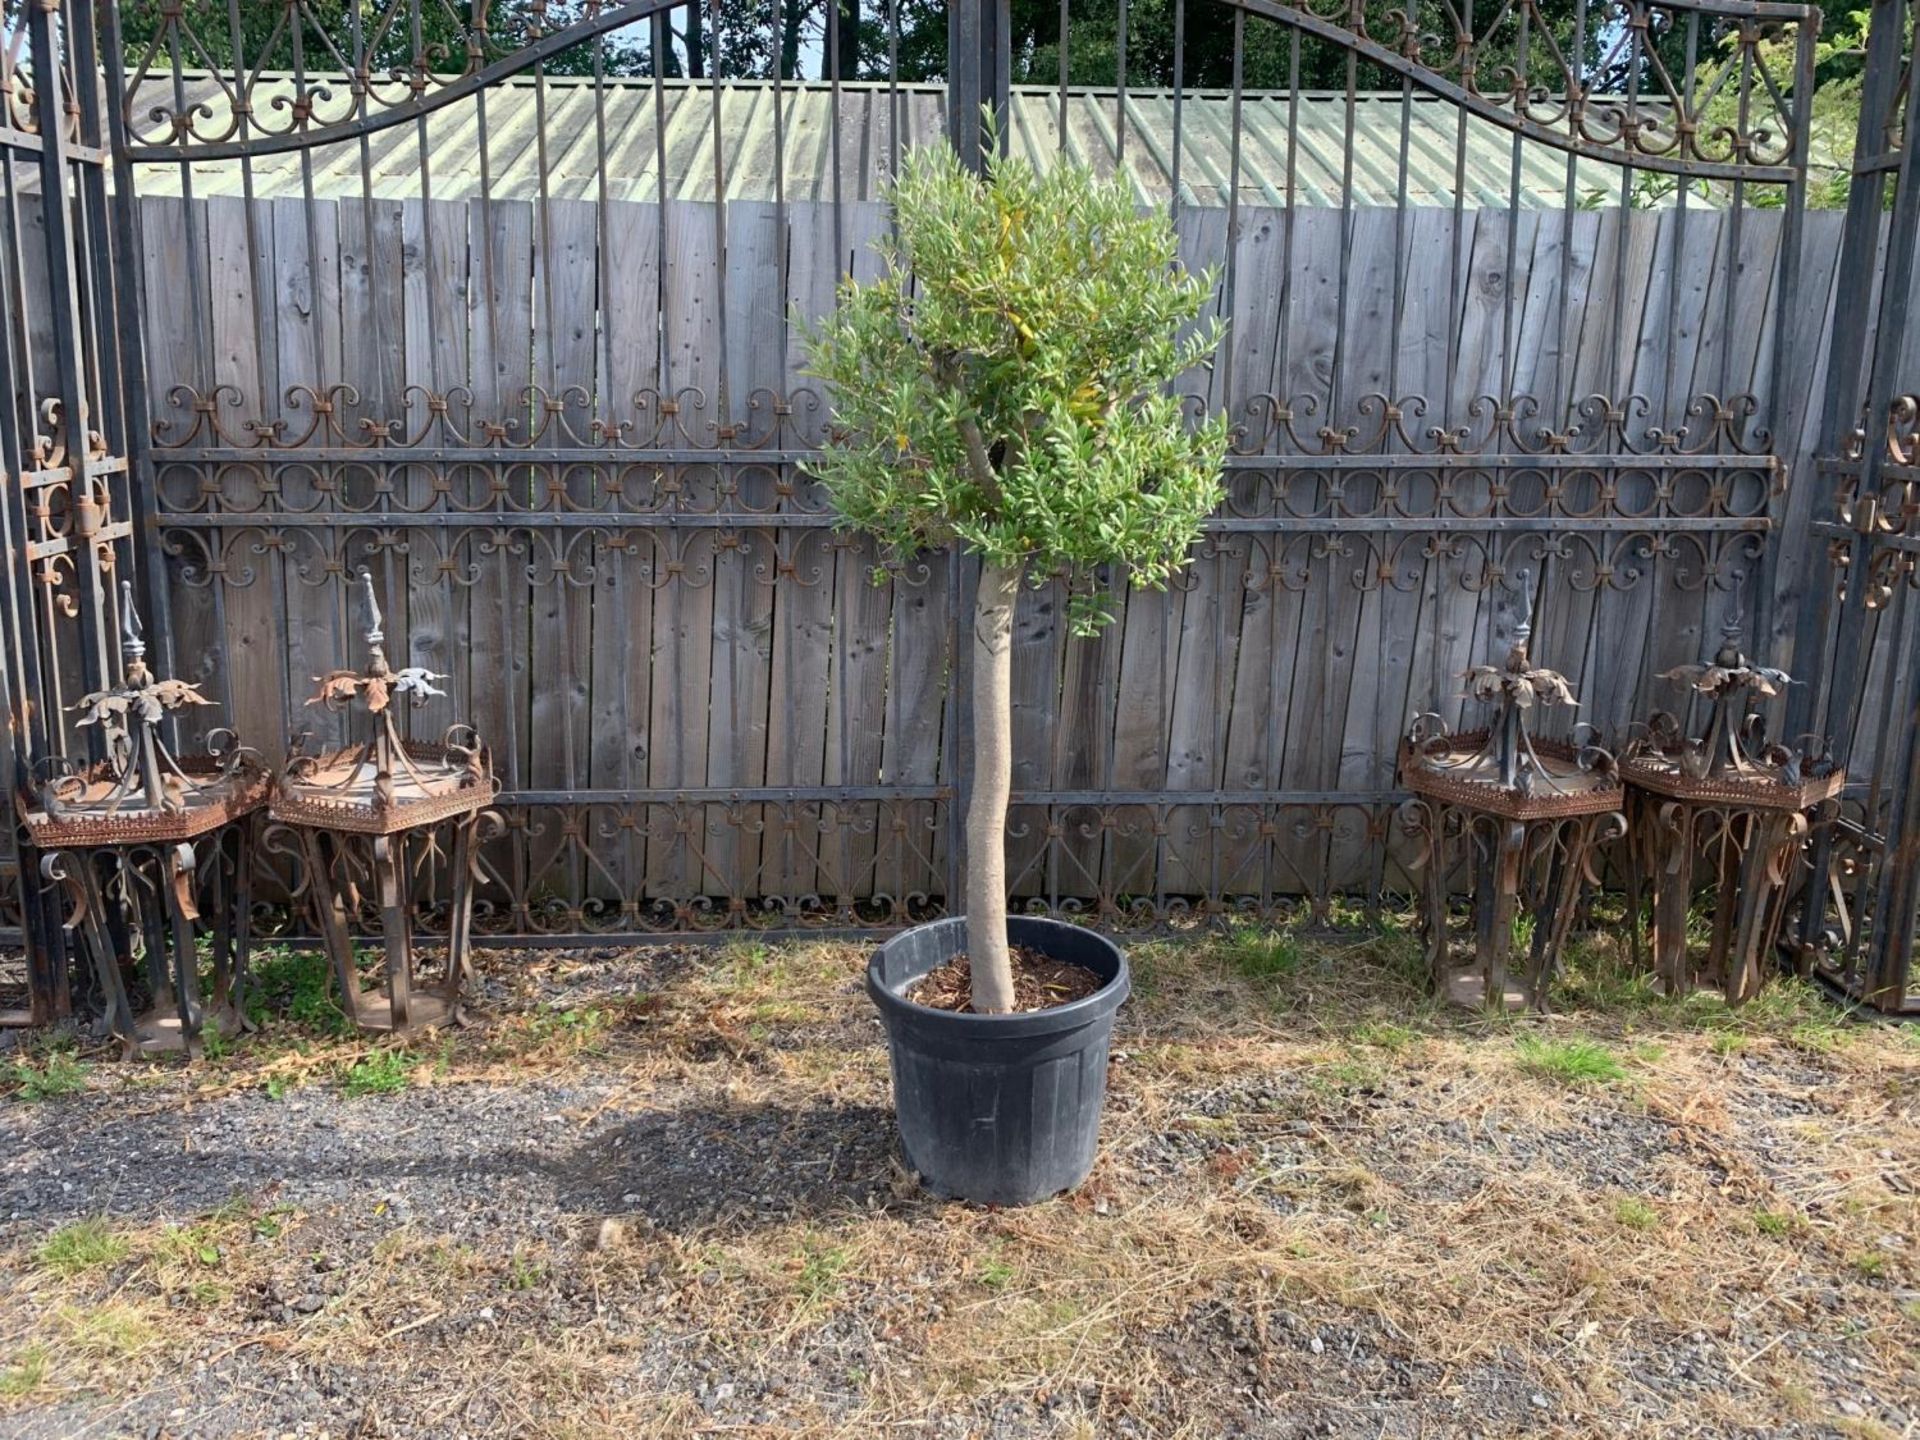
x: 102, y: 706
x: 1707, y: 679
x: 1492, y: 682
x: 1717, y: 679
x: 336, y: 690
x: 1484, y: 682
x: 1552, y: 687
x: 164, y: 695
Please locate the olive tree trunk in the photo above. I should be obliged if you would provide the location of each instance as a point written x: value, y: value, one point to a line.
x: 992, y: 784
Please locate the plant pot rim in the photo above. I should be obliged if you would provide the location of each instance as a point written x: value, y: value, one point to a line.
x: 1108, y: 998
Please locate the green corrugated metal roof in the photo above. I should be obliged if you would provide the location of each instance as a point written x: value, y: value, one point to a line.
x: 873, y: 119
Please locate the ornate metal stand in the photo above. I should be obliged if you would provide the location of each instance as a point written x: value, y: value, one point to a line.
x: 1527, y: 815
x: 369, y: 812
x: 1729, y: 800
x: 145, y: 844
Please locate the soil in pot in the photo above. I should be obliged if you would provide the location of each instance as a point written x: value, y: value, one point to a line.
x: 1039, y: 983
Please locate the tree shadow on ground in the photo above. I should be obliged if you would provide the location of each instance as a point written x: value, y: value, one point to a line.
x: 731, y: 1166
x: 703, y: 1164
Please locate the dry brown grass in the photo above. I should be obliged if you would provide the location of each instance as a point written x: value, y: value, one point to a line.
x: 1365, y: 1202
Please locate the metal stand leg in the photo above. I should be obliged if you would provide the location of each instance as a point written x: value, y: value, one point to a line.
x: 1732, y: 887
x: 248, y: 835
x: 1672, y: 893
x: 1772, y: 841
x: 1433, y: 891
x: 1642, y: 865
x: 146, y: 886
x: 389, y: 867
x: 219, y: 896
x: 75, y: 871
x: 1553, y: 916
x: 460, y: 921
x: 1505, y: 855
x: 182, y: 912
x: 332, y: 920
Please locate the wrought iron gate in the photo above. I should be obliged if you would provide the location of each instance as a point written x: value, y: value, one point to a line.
x: 71, y: 371
x: 1862, y: 639
x: 498, y: 298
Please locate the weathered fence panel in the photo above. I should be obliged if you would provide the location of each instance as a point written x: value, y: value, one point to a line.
x: 569, y: 438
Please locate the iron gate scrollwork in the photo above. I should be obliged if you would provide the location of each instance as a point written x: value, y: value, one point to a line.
x: 69, y: 444
x: 498, y: 300
x: 1863, y: 905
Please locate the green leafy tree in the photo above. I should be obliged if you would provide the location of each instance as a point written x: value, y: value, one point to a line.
x: 1005, y: 385
x: 1271, y: 52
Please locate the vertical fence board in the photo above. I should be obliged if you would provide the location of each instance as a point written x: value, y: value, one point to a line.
x: 306, y: 250
x: 628, y: 563
x: 252, y: 630
x: 683, y: 606
x: 803, y: 607
x: 501, y: 270
x: 175, y: 364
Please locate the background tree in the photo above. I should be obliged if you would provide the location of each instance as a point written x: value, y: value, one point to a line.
x: 264, y: 36
x: 1005, y: 384
x: 754, y: 39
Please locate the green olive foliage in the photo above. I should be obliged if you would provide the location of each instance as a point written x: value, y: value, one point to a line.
x: 1004, y: 381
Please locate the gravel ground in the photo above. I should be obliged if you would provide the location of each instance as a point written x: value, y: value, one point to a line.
x: 655, y: 1193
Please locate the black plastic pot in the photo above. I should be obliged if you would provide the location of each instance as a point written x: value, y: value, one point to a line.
x: 998, y: 1109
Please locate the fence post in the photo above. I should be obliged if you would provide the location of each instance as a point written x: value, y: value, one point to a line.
x: 979, y: 67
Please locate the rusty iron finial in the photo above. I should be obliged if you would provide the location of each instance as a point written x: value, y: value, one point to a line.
x: 376, y: 636
x: 133, y: 647
x: 1523, y: 632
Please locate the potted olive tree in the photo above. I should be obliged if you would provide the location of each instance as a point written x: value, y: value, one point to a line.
x: 1003, y: 385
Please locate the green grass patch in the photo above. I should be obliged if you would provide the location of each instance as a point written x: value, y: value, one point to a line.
x: 1635, y: 1214
x: 384, y: 1072
x: 1396, y: 949
x: 1597, y: 973
x: 820, y: 1270
x: 996, y: 1273
x: 1339, y: 1076
x: 80, y: 1246
x: 572, y: 1028
x: 1776, y: 1223
x: 110, y: 1331
x: 526, y: 1272
x: 55, y: 1074
x: 25, y: 1373
x: 1569, y: 1062
x: 1384, y: 1035
x: 298, y: 985
x: 1260, y: 953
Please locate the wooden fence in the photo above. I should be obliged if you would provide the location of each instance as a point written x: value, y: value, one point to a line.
x: 570, y: 443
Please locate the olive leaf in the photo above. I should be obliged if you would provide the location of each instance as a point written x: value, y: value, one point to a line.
x: 1007, y: 380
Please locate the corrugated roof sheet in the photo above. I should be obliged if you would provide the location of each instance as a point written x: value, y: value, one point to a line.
x: 874, y: 119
